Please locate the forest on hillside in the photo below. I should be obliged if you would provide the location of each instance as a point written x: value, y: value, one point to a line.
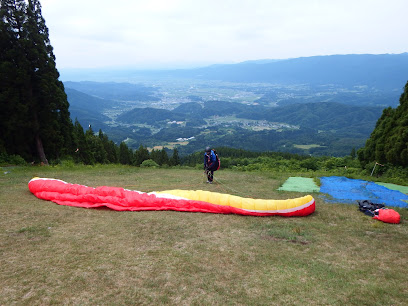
x: 388, y: 142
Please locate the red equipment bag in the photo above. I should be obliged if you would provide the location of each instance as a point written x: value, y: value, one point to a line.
x: 387, y: 215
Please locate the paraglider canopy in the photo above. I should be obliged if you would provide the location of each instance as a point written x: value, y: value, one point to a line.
x: 120, y: 199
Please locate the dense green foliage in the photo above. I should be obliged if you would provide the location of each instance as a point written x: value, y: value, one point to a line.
x: 96, y: 148
x: 34, y: 120
x: 388, y: 143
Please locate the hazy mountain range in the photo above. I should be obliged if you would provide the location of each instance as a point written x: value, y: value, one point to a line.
x: 383, y: 71
x: 380, y: 71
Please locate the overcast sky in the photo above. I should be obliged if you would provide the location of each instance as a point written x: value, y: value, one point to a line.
x: 188, y: 33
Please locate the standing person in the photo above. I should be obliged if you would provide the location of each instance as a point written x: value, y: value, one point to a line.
x: 211, y: 163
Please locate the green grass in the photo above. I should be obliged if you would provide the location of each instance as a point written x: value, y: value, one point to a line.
x: 52, y: 254
x: 307, y: 147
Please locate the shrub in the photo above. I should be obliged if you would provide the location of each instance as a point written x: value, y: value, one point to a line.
x: 309, y: 164
x: 68, y: 163
x: 149, y: 163
x: 16, y: 160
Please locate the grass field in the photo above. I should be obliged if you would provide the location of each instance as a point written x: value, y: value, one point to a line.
x: 307, y: 147
x: 52, y: 254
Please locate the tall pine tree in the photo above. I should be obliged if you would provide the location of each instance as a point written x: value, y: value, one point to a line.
x: 14, y: 115
x: 36, y: 105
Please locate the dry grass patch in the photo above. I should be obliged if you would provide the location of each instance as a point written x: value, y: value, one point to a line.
x: 53, y: 254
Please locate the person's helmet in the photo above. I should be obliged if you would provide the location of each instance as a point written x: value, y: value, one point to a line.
x: 207, y: 149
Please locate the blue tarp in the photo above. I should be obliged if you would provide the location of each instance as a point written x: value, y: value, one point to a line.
x: 345, y: 190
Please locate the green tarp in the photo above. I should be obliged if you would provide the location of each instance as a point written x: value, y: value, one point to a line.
x: 403, y: 189
x: 300, y: 184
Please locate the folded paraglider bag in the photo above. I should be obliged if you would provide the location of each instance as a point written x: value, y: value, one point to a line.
x: 387, y: 215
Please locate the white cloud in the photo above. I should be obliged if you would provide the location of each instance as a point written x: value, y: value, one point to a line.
x: 134, y: 33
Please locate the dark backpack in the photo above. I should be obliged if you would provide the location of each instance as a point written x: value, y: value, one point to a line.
x: 217, y: 158
x: 368, y: 207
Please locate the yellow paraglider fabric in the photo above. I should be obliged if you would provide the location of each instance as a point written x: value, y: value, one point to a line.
x: 248, y: 204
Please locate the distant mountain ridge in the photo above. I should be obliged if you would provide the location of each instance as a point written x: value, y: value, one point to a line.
x: 380, y: 71
x: 384, y: 71
x: 322, y: 116
x: 114, y: 91
x: 78, y: 99
x: 87, y: 109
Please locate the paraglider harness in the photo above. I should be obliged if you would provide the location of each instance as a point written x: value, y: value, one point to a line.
x: 378, y: 211
x: 209, y: 167
x: 217, y: 161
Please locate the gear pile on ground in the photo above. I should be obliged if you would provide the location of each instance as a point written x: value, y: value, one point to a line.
x: 379, y: 212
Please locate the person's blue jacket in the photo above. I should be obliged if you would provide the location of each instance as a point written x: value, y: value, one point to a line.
x: 210, y: 161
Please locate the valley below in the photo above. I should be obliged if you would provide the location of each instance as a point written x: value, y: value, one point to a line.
x: 229, y: 106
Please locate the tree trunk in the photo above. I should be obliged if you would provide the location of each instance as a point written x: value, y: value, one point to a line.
x: 38, y: 142
x: 40, y: 150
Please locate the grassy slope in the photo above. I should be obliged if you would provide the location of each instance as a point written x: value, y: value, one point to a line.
x: 58, y: 254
